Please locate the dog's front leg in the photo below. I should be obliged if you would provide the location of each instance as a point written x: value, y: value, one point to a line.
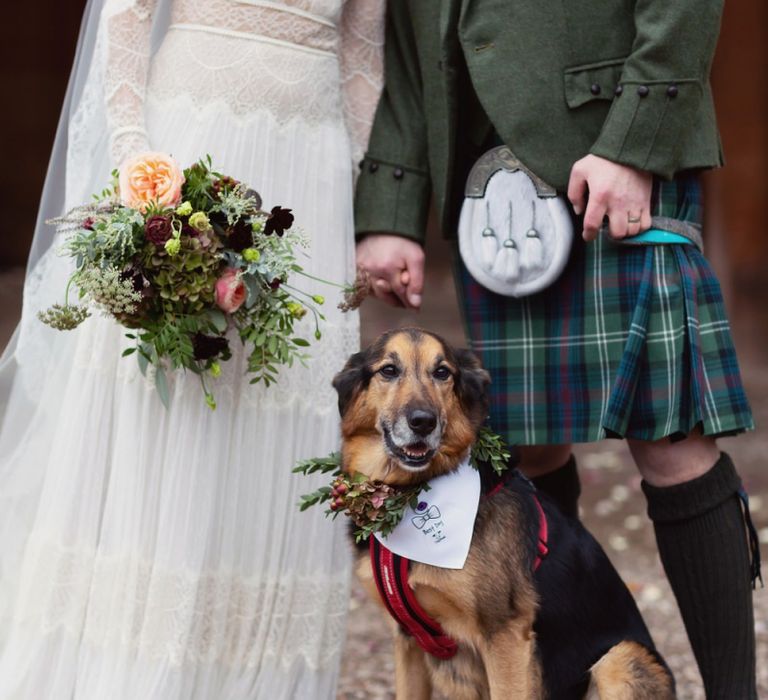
x: 412, y: 681
x: 510, y: 661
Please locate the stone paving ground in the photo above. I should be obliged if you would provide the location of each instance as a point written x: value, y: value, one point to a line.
x: 612, y: 508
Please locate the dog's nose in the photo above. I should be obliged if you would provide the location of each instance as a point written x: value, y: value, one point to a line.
x: 422, y: 422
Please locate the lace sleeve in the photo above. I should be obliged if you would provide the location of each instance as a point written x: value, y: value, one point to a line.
x: 128, y: 29
x: 362, y: 67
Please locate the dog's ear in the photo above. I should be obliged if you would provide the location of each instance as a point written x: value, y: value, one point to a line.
x: 471, y: 385
x: 351, y: 379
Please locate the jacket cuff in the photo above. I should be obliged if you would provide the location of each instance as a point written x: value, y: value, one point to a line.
x: 392, y: 198
x: 647, y: 123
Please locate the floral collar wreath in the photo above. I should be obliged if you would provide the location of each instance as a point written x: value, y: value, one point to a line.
x: 375, y: 506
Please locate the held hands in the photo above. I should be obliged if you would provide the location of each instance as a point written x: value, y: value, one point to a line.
x: 396, y: 268
x: 623, y: 194
x: 620, y: 192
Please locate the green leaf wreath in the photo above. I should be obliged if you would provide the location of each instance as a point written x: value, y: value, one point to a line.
x: 375, y: 506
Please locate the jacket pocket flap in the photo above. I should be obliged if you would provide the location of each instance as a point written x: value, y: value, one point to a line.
x: 592, y: 81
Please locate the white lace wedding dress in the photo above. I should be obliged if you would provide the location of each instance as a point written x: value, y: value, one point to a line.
x: 148, y: 553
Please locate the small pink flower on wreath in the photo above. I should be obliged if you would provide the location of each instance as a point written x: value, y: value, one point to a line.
x: 230, y: 291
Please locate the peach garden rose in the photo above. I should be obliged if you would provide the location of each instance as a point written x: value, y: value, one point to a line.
x: 150, y: 178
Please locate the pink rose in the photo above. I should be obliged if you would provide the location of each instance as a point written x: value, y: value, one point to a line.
x: 230, y: 291
x: 150, y: 178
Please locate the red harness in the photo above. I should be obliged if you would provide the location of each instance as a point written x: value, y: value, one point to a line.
x: 390, y: 571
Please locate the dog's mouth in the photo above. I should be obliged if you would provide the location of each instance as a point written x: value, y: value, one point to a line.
x: 413, y: 457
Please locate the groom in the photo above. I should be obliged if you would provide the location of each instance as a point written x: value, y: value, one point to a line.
x: 609, y: 102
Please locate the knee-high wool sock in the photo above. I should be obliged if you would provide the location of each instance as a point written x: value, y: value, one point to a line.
x: 703, y: 544
x: 562, y: 486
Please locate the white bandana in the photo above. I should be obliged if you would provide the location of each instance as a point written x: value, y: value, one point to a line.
x: 439, y: 531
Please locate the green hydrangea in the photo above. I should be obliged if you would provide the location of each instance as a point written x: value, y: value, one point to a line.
x: 186, y: 280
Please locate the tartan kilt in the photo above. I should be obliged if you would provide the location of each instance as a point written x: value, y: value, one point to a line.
x: 631, y: 341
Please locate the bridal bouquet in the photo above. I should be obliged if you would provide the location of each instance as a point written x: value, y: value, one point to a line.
x: 181, y: 257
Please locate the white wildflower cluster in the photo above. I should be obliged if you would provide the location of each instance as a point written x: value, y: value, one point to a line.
x: 64, y: 317
x: 109, y: 290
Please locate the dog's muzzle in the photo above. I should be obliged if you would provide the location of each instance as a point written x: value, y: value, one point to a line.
x: 414, y: 437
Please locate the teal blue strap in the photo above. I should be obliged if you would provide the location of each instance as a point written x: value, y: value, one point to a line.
x: 657, y: 235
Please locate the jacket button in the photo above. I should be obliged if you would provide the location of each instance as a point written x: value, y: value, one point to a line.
x: 672, y: 91
x: 373, y: 167
x: 619, y: 89
x: 594, y: 89
x: 643, y: 91
x: 398, y: 174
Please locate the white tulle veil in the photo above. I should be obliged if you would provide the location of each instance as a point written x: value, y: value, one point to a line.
x: 32, y: 362
x: 79, y: 166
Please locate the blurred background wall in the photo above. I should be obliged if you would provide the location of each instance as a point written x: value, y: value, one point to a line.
x: 36, y: 58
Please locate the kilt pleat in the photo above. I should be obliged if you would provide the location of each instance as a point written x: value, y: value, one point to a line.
x: 631, y: 341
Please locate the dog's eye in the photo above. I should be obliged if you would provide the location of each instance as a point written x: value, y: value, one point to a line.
x: 442, y: 373
x: 389, y: 371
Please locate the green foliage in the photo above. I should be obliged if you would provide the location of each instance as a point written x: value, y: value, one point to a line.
x: 112, y: 240
x: 489, y: 448
x: 198, y: 185
x: 268, y: 326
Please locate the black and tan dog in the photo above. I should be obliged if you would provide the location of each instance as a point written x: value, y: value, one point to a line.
x: 411, y: 407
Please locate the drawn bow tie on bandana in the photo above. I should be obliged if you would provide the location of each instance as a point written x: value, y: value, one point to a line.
x: 421, y: 520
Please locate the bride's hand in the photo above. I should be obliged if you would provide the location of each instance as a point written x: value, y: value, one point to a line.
x: 395, y: 266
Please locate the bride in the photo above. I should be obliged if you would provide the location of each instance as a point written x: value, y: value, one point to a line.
x: 153, y: 553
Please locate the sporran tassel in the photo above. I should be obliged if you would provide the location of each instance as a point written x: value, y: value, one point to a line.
x: 507, y: 263
x: 532, y: 254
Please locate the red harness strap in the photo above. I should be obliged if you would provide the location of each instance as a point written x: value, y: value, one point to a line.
x: 541, y: 546
x: 390, y: 571
x: 391, y: 574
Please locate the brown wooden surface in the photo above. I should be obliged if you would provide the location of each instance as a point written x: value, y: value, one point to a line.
x: 737, y: 240
x: 35, y: 59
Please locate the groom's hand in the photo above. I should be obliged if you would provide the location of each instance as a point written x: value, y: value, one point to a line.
x: 396, y: 268
x: 605, y: 188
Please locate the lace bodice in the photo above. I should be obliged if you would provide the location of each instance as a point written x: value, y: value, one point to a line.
x: 317, y: 59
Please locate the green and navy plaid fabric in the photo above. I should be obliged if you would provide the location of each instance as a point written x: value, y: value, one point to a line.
x: 631, y: 341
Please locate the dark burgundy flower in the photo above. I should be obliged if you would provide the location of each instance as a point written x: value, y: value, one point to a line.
x: 278, y: 222
x: 275, y: 283
x: 240, y: 236
x: 158, y: 229
x: 207, y: 347
x: 88, y: 223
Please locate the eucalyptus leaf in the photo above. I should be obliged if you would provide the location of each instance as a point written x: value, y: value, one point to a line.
x: 218, y: 319
x: 161, y: 383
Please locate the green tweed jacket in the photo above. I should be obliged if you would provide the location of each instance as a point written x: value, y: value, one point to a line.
x: 627, y: 80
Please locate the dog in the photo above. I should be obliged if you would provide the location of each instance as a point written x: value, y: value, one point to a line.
x: 411, y: 407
